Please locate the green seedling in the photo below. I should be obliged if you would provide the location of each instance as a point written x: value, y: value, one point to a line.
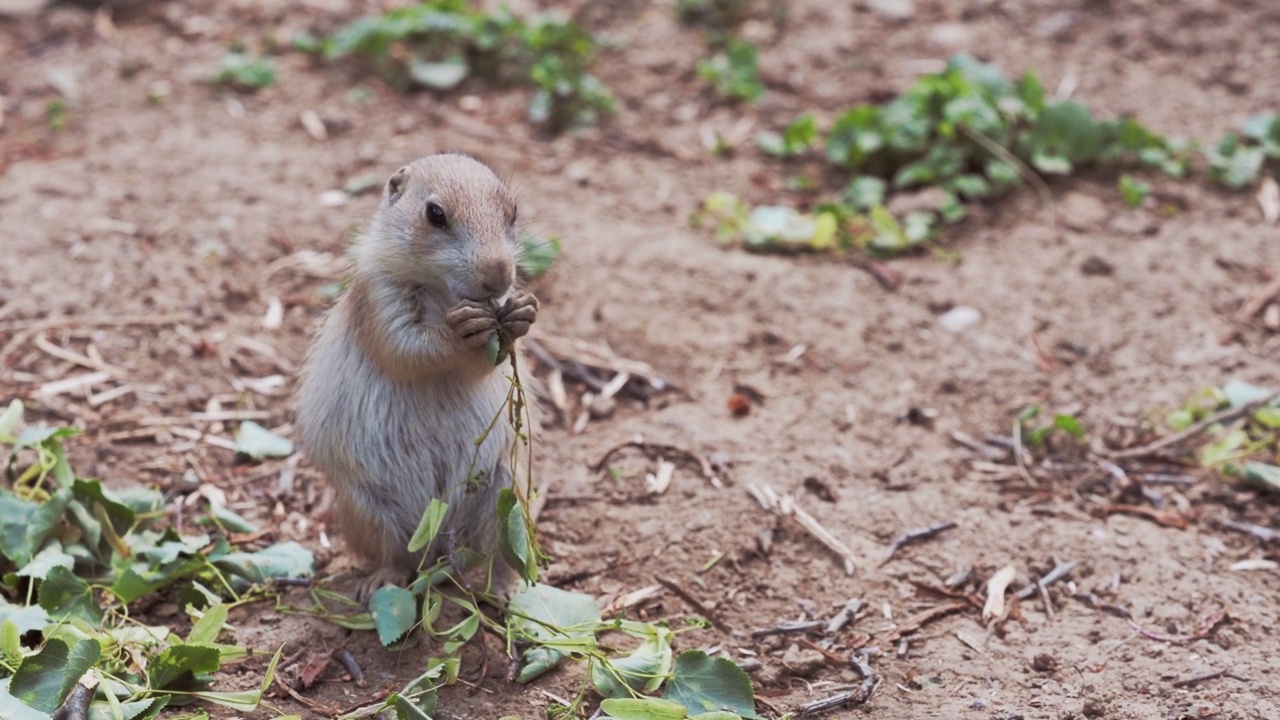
x: 732, y: 72
x: 242, y: 71
x: 440, y: 44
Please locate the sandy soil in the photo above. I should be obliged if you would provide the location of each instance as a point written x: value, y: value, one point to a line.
x: 152, y: 232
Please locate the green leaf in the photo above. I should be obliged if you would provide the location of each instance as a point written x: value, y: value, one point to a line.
x: 11, y: 708
x: 25, y: 617
x: 1239, y: 393
x: 66, y: 596
x: 1268, y: 417
x: 92, y: 492
x: 15, y: 518
x: 429, y: 525
x: 183, y: 667
x: 207, y: 628
x: 864, y: 191
x: 1133, y: 191
x: 9, y: 420
x: 705, y: 684
x: 640, y: 672
x: 10, y: 642
x: 444, y: 75
x: 232, y: 521
x: 1070, y: 425
x: 245, y: 700
x: 287, y: 559
x: 732, y: 73
x: 537, y: 255
x: 1238, y: 168
x: 46, y: 560
x: 1261, y: 475
x: 257, y: 442
x: 45, y: 679
x: 461, y: 633
x: 1225, y: 449
x: 1180, y: 419
x: 245, y: 72
x: 136, y: 710
x: 546, y: 616
x: 405, y: 708
x: 514, y: 542
x: 643, y: 709
x: 394, y: 610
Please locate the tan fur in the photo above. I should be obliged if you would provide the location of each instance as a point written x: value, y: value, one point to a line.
x: 397, y: 386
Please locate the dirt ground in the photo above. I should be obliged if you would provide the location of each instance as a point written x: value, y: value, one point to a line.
x: 155, y: 232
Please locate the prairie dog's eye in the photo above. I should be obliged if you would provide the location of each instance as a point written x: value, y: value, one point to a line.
x: 514, y: 210
x: 435, y: 215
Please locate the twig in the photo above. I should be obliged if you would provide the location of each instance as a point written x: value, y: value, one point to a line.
x: 788, y: 628
x: 1259, y: 300
x: 1032, y: 178
x: 693, y: 602
x: 1190, y: 431
x: 655, y: 451
x: 847, y: 614
x: 313, y: 705
x: 860, y: 695
x: 1060, y: 570
x: 888, y: 278
x: 1197, y: 679
x: 1017, y: 454
x: 348, y: 662
x: 76, y: 706
x: 915, y: 622
x: 1261, y: 532
x: 910, y: 536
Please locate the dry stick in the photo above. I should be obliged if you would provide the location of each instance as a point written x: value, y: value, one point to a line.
x: 1042, y: 188
x: 76, y: 706
x: 787, y: 628
x: 703, y: 610
x: 1017, y: 455
x: 659, y: 451
x: 1260, y: 300
x: 1191, y: 431
x: 846, y: 615
x: 1197, y: 679
x: 1261, y: 532
x: 860, y: 695
x: 1059, y: 571
x: 909, y: 536
x: 348, y: 662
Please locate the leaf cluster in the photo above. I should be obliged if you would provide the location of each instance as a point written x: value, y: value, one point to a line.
x: 74, y: 554
x: 243, y: 71
x: 732, y: 72
x: 974, y: 135
x: 438, y: 44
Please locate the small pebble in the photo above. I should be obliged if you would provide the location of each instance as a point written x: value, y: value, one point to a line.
x: 960, y: 318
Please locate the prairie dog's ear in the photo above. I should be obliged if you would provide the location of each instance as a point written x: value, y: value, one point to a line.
x: 395, y: 186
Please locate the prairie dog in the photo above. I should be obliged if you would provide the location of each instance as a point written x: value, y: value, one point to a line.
x: 398, y: 386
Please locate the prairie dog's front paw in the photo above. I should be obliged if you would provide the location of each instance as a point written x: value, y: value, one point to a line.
x: 519, y: 312
x: 474, y: 323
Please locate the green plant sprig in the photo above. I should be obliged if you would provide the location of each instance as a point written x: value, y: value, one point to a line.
x: 438, y: 44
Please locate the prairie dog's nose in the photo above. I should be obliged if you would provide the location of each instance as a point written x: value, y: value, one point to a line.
x: 495, y: 278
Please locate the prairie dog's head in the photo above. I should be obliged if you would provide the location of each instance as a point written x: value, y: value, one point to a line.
x: 446, y: 224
